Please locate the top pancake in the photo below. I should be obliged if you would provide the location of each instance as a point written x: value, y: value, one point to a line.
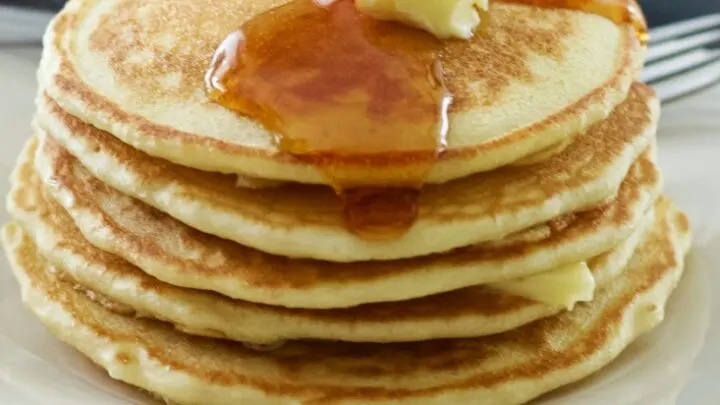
x: 135, y: 69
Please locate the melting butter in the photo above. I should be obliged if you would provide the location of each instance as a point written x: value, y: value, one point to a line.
x: 442, y: 18
x: 242, y: 181
x: 562, y: 287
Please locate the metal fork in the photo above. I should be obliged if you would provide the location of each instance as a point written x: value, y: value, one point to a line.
x: 683, y: 57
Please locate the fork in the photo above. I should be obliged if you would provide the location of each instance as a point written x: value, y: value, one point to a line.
x: 683, y: 57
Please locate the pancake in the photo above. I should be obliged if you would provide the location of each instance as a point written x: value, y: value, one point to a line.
x: 306, y: 221
x: 136, y: 69
x: 180, y: 255
x: 509, y: 368
x: 469, y: 312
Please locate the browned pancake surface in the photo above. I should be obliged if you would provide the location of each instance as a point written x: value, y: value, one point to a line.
x: 189, y: 258
x: 561, y: 349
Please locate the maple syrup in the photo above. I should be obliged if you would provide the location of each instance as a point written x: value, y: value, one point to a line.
x: 618, y: 11
x: 333, y: 84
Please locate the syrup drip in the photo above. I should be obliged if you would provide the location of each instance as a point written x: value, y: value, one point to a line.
x: 617, y: 11
x: 336, y: 85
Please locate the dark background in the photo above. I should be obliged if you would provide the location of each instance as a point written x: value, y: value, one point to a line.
x: 658, y: 12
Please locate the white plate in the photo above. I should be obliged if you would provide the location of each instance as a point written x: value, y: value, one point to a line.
x: 35, y: 369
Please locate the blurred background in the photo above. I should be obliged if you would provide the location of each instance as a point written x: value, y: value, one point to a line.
x: 660, y: 12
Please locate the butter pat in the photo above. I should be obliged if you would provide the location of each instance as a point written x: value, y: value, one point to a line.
x: 563, y: 287
x: 442, y: 18
x: 242, y: 181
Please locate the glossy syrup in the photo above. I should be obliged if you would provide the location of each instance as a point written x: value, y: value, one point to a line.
x: 334, y: 86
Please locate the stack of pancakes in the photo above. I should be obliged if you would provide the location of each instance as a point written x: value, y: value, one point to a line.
x: 170, y: 241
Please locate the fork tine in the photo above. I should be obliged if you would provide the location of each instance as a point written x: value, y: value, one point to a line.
x: 682, y: 85
x: 679, y: 64
x: 683, y: 28
x: 673, y: 47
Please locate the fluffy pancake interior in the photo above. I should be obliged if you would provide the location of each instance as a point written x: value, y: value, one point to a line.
x: 472, y: 311
x: 180, y: 255
x: 511, y: 368
x: 298, y: 221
